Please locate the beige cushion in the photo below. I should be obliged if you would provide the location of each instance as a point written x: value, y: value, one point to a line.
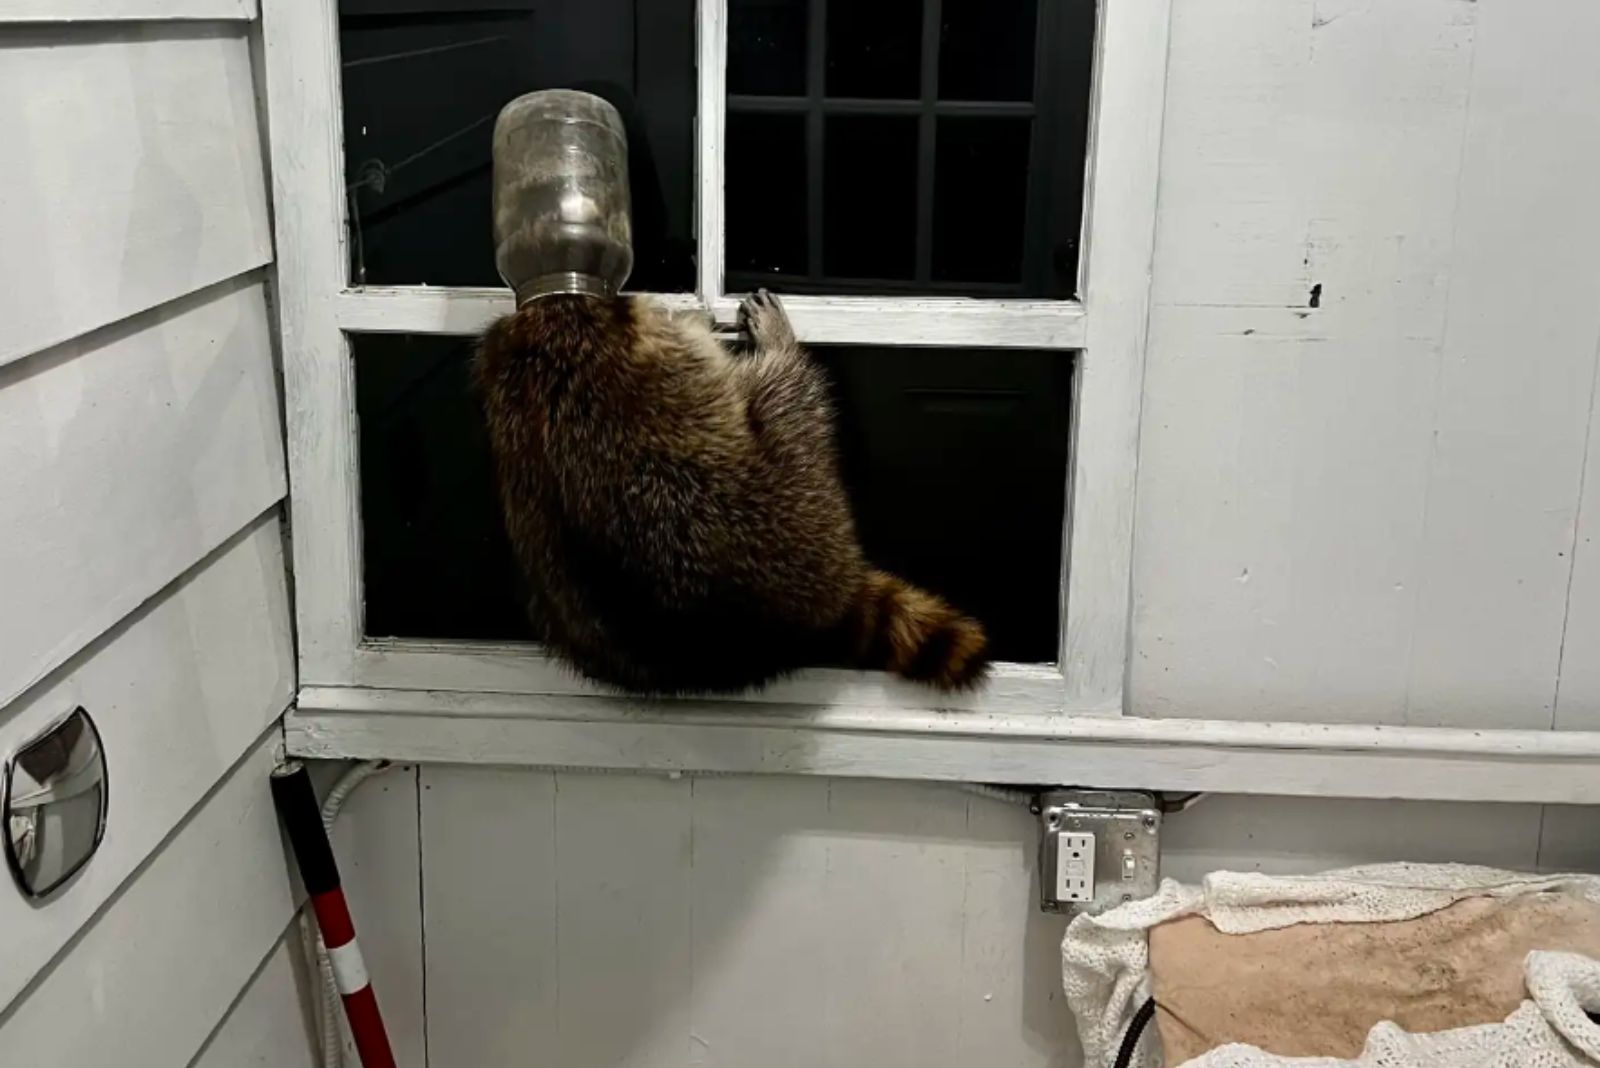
x: 1317, y: 989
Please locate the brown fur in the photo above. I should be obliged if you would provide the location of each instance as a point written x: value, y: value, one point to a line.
x: 677, y: 508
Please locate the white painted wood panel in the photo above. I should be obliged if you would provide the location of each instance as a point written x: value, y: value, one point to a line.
x: 1362, y: 510
x: 148, y: 981
x: 271, y: 1025
x: 622, y: 848
x: 1280, y: 520
x: 179, y: 691
x: 834, y: 923
x: 132, y: 173
x: 761, y: 902
x: 893, y: 936
x: 1567, y: 839
x: 129, y: 456
x: 115, y: 10
x: 375, y: 845
x: 1010, y: 967
x: 1283, y: 462
x: 1517, y: 375
x: 772, y: 921
x: 1578, y: 686
x: 1314, y: 141
x: 557, y: 916
x: 491, y: 872
x: 1299, y: 835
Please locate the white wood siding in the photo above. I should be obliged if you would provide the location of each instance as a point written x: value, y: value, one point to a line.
x: 148, y: 980
x: 272, y: 1023
x: 1578, y: 694
x: 179, y: 692
x: 1363, y: 511
x: 111, y: 10
x: 129, y: 456
x: 141, y: 546
x: 132, y: 173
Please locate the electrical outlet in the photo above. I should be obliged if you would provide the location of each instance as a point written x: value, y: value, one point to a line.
x: 1075, y: 867
x: 1097, y: 849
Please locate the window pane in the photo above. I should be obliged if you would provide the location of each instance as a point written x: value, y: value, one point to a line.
x: 986, y: 49
x: 767, y: 47
x: 955, y: 461
x: 767, y: 203
x: 980, y: 196
x: 436, y: 559
x: 423, y: 81
x: 965, y: 180
x: 874, y: 48
x: 869, y: 221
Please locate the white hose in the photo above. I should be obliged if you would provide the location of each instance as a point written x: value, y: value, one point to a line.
x: 328, y: 993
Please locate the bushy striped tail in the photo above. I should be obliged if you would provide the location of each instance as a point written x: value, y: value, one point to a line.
x: 895, y: 626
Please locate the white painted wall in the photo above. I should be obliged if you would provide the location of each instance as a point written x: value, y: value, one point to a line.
x: 141, y: 537
x: 628, y: 920
x: 1367, y: 511
x: 272, y: 1025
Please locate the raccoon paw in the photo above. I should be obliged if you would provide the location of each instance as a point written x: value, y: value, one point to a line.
x: 762, y: 317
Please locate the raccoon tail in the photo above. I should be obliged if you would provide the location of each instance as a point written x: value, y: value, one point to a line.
x: 894, y: 626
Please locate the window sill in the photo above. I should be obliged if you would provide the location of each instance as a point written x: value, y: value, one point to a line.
x: 1421, y: 763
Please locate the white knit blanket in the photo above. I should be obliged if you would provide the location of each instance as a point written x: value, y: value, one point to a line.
x: 1105, y: 964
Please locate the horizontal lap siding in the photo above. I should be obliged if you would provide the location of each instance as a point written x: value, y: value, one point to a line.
x: 55, y: 11
x: 129, y: 455
x: 132, y: 173
x: 141, y: 540
x: 178, y: 691
x: 146, y: 981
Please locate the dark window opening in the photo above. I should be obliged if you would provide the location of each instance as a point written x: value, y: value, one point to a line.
x: 942, y: 145
x: 422, y: 83
x: 955, y: 461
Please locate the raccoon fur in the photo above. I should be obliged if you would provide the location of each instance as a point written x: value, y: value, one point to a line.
x: 677, y: 509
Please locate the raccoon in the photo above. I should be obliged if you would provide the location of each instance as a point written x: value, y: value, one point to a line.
x: 677, y: 510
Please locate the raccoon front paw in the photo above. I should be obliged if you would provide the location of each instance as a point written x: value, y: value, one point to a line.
x: 762, y: 317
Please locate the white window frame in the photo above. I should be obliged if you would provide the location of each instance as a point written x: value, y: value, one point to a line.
x: 508, y: 704
x: 1103, y: 335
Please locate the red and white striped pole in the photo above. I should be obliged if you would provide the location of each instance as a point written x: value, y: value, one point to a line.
x: 297, y: 808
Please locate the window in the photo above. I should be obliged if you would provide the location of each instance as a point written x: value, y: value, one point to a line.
x: 406, y: 631
x: 915, y: 175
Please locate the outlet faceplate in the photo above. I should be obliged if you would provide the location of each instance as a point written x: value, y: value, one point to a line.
x: 1116, y: 836
x: 1074, y: 867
